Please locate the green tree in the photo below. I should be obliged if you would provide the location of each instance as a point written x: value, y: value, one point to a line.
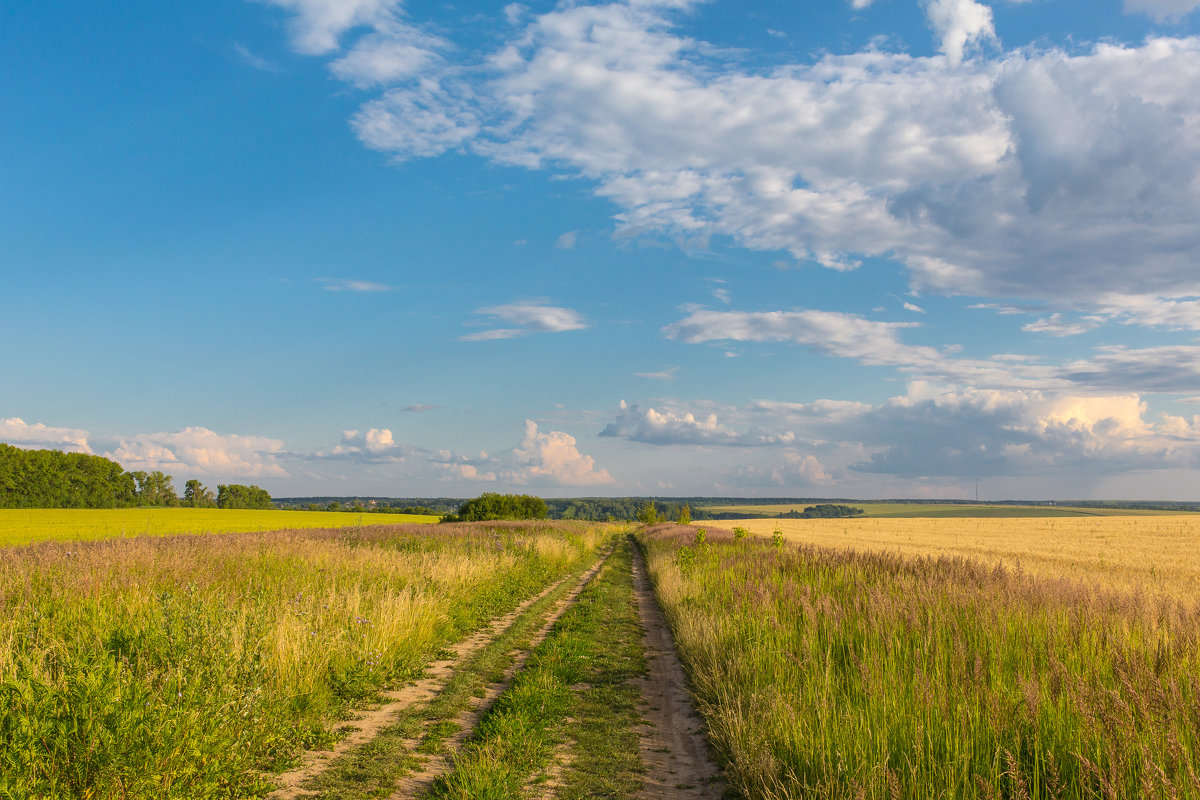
x: 237, y: 496
x: 492, y: 505
x: 648, y: 513
x: 197, y: 495
x: 685, y: 515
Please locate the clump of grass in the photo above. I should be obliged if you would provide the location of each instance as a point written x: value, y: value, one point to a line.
x: 832, y: 673
x: 196, y: 665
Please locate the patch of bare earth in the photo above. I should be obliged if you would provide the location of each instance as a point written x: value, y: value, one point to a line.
x: 416, y: 783
x: 369, y: 721
x: 674, y: 749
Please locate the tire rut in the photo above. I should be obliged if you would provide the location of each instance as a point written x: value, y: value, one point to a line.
x: 678, y: 759
x: 417, y: 783
x: 369, y: 721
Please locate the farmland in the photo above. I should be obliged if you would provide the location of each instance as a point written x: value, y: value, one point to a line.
x: 927, y: 510
x: 835, y: 673
x: 23, y: 526
x: 1153, y: 553
x: 845, y: 658
x: 197, y: 666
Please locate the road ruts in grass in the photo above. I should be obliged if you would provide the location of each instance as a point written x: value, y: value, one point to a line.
x: 679, y: 763
x: 412, y: 751
x: 569, y: 726
x: 371, y: 721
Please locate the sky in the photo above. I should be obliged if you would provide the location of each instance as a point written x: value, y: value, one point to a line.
x: 835, y: 248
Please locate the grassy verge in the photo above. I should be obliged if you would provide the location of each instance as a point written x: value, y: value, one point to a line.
x: 837, y: 674
x: 372, y: 769
x: 576, y: 693
x: 189, y: 666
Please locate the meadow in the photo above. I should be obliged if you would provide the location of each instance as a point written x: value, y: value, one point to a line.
x: 24, y: 526
x: 1153, y: 553
x: 198, y: 666
x: 840, y: 673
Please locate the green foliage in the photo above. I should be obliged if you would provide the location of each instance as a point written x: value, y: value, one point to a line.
x: 823, y: 511
x: 155, y: 489
x: 648, y: 514
x: 492, y: 505
x: 685, y: 515
x: 53, y: 479
x: 197, y: 495
x: 777, y: 538
x: 237, y: 496
x: 740, y: 533
x: 701, y: 536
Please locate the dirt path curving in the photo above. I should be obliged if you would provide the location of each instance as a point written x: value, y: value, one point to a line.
x: 417, y: 783
x: 679, y: 763
x: 370, y: 721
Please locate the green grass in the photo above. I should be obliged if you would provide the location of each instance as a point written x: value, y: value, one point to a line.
x: 583, y: 672
x: 194, y: 666
x: 834, y: 674
x: 906, y: 510
x: 25, y: 526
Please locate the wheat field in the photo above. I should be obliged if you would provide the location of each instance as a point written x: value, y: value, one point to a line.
x: 1156, y: 554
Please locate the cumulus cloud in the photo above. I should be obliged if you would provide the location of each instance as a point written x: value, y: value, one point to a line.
x: 201, y: 451
x: 566, y: 241
x: 931, y: 431
x: 553, y: 458
x: 958, y: 24
x: 37, y: 435
x: 528, y: 317
x: 1033, y: 173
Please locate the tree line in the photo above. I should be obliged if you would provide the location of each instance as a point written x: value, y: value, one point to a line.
x: 54, y: 479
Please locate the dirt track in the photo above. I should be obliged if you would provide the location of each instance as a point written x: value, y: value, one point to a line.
x: 679, y: 764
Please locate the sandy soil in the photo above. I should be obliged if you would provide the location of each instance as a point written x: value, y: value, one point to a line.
x: 369, y: 721
x: 679, y: 763
x: 414, y: 784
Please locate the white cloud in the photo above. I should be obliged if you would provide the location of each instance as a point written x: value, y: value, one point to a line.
x: 566, y: 241
x: 668, y: 374
x: 344, y: 285
x: 1055, y: 325
x: 913, y: 308
x: 36, y: 435
x: 1009, y: 176
x: 1162, y: 10
x: 931, y: 431
x: 959, y: 24
x: 528, y: 317
x: 394, y: 52
x: 317, y: 25
x: 253, y: 59
x: 553, y: 458
x: 201, y: 451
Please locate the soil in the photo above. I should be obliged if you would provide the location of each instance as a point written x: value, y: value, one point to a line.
x: 370, y: 721
x: 679, y: 763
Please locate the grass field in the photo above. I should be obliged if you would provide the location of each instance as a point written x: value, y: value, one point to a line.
x: 196, y: 666
x: 1154, y: 553
x: 947, y: 510
x: 840, y: 674
x: 24, y: 526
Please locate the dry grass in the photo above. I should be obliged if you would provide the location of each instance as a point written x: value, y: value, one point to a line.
x: 1159, y: 554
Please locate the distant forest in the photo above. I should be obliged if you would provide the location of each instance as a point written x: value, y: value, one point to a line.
x: 54, y: 479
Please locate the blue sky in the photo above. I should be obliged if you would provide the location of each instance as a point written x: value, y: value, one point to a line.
x: 863, y: 248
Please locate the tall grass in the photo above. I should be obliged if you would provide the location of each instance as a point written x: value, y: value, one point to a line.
x: 194, y: 666
x: 833, y: 673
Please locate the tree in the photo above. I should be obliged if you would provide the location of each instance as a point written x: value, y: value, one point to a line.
x: 155, y: 489
x: 237, y: 496
x: 648, y: 513
x: 492, y: 505
x: 685, y: 515
x: 196, y: 495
